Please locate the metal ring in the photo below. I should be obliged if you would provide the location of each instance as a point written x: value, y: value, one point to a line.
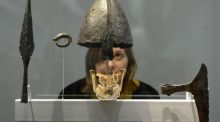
x: 60, y: 36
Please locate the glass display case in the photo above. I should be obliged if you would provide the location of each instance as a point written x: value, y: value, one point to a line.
x: 59, y: 60
x: 52, y: 68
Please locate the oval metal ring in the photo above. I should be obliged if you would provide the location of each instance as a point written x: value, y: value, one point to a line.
x: 60, y: 36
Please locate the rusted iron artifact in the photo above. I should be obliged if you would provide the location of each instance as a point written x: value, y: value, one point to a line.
x: 105, y: 26
x: 199, y: 88
x: 60, y: 36
x: 26, y: 48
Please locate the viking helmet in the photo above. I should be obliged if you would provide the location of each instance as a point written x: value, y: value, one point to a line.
x: 105, y: 26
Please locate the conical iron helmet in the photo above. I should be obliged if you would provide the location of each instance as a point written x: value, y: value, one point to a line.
x: 105, y: 25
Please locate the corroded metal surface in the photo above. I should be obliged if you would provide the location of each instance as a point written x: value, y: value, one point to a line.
x: 60, y: 36
x: 105, y: 26
x: 26, y: 48
x: 105, y: 22
x: 199, y: 88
